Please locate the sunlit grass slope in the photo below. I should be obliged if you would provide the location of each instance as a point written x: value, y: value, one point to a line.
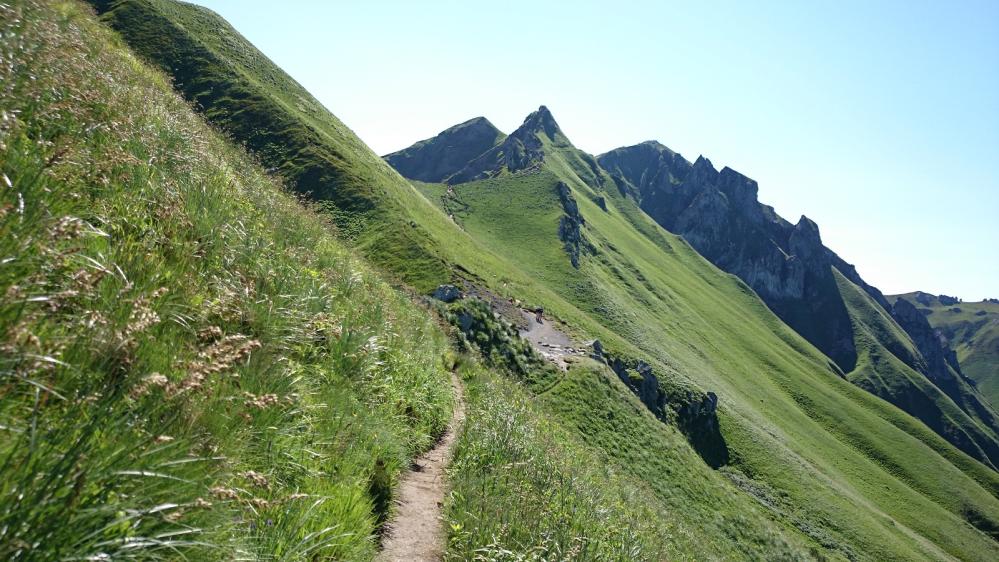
x: 832, y: 467
x: 851, y: 471
x: 245, y: 94
x: 192, y: 367
x: 883, y: 373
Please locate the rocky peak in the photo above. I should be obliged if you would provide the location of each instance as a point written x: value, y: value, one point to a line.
x: 539, y: 122
x: 437, y: 158
x: 739, y: 189
x: 702, y: 172
x: 807, y: 230
x: 522, y: 149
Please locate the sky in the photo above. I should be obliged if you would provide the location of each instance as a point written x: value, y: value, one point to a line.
x: 878, y: 120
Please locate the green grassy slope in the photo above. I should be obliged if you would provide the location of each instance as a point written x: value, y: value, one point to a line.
x: 879, y: 343
x: 973, y: 331
x: 242, y: 92
x: 790, y: 421
x: 812, y: 451
x: 192, y: 366
x: 788, y: 266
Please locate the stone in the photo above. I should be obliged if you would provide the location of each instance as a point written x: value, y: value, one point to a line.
x: 447, y: 293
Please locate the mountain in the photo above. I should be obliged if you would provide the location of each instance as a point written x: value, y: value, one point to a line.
x: 658, y: 308
x: 971, y: 328
x: 436, y: 159
x: 699, y: 427
x: 809, y: 287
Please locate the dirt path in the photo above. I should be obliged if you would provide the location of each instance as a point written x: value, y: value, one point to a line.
x: 416, y: 532
x: 551, y: 343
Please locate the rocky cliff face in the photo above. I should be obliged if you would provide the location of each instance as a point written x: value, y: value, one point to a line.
x: 438, y: 158
x: 718, y: 213
x: 926, y: 339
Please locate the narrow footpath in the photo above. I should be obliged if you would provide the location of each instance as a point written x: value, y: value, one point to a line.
x: 416, y: 532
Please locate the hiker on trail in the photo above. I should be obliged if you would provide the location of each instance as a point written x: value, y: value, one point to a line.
x: 539, y: 315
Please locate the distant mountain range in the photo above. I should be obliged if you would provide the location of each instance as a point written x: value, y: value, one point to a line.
x: 884, y: 348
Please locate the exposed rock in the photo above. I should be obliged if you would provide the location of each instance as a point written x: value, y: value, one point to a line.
x: 569, y: 226
x: 522, y: 149
x: 447, y: 293
x: 719, y: 215
x: 694, y: 413
x: 437, y: 158
x: 697, y: 417
x: 598, y: 350
x: 927, y: 340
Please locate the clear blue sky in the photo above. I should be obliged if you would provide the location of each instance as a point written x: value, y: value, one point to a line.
x: 878, y: 120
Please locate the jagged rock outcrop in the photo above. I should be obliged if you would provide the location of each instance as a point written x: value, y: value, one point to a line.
x: 790, y: 268
x: 927, y: 340
x: 522, y: 149
x: 717, y: 212
x: 440, y: 157
x: 570, y: 225
x: 447, y: 293
x: 694, y: 413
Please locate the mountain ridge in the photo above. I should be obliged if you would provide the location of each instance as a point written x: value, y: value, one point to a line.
x: 817, y: 467
x: 718, y: 213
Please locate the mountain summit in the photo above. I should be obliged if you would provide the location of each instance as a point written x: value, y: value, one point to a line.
x: 436, y: 159
x: 523, y: 149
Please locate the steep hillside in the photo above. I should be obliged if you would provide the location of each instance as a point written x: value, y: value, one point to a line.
x: 251, y: 99
x: 807, y: 463
x: 798, y: 277
x: 192, y: 366
x: 784, y: 410
x: 972, y: 329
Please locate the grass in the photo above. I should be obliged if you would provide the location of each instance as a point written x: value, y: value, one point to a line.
x: 240, y: 91
x: 193, y: 365
x: 881, y: 345
x: 818, y: 466
x: 973, y: 331
x: 526, y: 489
x: 793, y: 425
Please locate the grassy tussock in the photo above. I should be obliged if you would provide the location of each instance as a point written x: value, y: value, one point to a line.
x: 191, y: 365
x: 526, y: 491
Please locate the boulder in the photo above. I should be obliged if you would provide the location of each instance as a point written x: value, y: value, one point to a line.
x: 447, y: 293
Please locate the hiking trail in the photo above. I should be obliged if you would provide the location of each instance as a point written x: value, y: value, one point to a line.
x: 416, y: 531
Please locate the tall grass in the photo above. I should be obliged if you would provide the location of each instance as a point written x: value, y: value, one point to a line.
x: 526, y: 491
x: 190, y: 365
